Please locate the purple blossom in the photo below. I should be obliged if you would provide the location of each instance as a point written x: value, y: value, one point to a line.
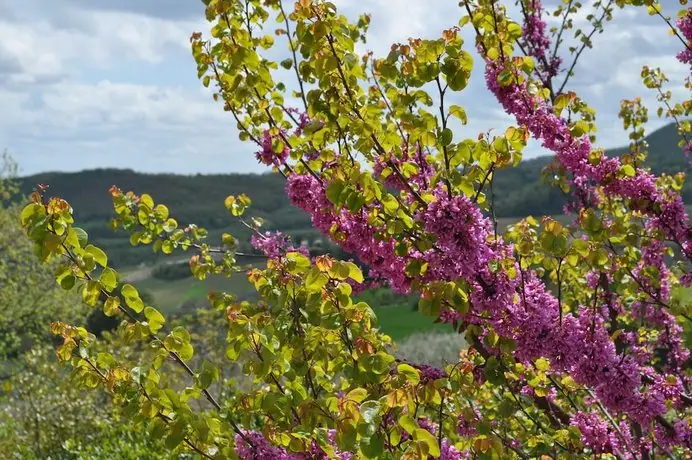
x: 267, y: 155
x: 597, y: 435
x: 537, y: 41
x: 274, y: 244
x: 684, y: 24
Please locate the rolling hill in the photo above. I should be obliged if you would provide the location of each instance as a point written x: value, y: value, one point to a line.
x: 199, y: 198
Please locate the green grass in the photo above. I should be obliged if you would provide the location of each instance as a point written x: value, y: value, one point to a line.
x: 400, y: 321
x: 170, y: 295
x: 398, y: 315
x: 395, y: 314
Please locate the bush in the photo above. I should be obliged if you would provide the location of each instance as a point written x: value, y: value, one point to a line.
x: 172, y: 271
x: 575, y: 342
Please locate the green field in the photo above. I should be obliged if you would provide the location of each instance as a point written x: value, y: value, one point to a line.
x: 397, y: 315
x: 170, y: 295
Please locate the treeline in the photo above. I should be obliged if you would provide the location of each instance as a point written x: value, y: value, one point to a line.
x: 518, y: 192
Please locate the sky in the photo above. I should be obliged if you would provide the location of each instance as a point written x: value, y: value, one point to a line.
x: 111, y: 83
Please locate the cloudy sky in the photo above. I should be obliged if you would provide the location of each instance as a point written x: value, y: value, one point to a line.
x: 111, y: 83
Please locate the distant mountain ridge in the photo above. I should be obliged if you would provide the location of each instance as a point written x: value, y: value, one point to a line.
x: 199, y: 198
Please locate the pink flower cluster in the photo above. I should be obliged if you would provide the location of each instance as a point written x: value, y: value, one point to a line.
x: 580, y: 346
x: 421, y: 178
x: 466, y: 425
x: 264, y: 450
x: 274, y: 244
x: 260, y: 448
x: 357, y: 235
x: 665, y: 209
x: 601, y: 437
x: 429, y: 373
x: 449, y: 452
x: 461, y: 230
x: 537, y: 40
x: 267, y: 155
x: 685, y: 26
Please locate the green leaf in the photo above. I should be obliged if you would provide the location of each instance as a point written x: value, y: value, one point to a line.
x: 209, y: 375
x: 132, y: 298
x: 82, y: 236
x: 147, y: 200
x: 369, y: 411
x: 428, y: 139
x: 408, y: 423
x: 99, y: 256
x: 354, y: 272
x: 561, y: 101
x: 237, y: 204
x: 458, y: 112
x: 390, y: 203
x: 170, y: 225
x: 542, y: 364
x: 65, y: 277
x: 109, y: 279
x: 446, y: 136
x: 334, y: 192
x: 579, y: 128
x: 111, y: 306
x: 91, y: 292
x: 181, y: 333
x: 628, y: 170
x: 297, y: 263
x: 186, y: 352
x: 372, y: 447
x: 410, y: 372
x: 380, y: 362
x: 29, y: 211
x: 357, y: 394
x: 315, y: 280
x: 581, y: 246
x: 177, y: 435
x: 154, y: 318
x: 493, y: 53
x: 429, y: 439
x: 493, y: 371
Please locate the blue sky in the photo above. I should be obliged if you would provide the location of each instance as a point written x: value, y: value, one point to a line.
x: 101, y: 83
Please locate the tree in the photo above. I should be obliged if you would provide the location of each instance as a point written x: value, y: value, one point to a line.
x: 576, y: 344
x: 27, y: 287
x: 42, y: 414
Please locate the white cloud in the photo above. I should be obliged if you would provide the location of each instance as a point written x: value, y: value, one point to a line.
x: 99, y: 83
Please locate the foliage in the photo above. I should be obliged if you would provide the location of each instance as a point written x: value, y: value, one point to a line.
x: 575, y: 343
x: 27, y: 288
x: 42, y: 414
x: 45, y: 416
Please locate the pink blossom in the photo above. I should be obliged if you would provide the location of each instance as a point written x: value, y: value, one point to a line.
x: 684, y: 24
x: 267, y: 155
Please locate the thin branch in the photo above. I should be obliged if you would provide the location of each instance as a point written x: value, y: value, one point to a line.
x: 674, y: 29
x: 295, y: 57
x: 584, y: 44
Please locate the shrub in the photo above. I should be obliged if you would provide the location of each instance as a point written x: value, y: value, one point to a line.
x: 596, y: 366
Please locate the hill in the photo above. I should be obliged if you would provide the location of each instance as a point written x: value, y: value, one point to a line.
x: 191, y: 199
x: 199, y: 198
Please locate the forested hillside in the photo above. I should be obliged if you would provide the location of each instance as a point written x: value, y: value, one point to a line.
x: 199, y: 198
